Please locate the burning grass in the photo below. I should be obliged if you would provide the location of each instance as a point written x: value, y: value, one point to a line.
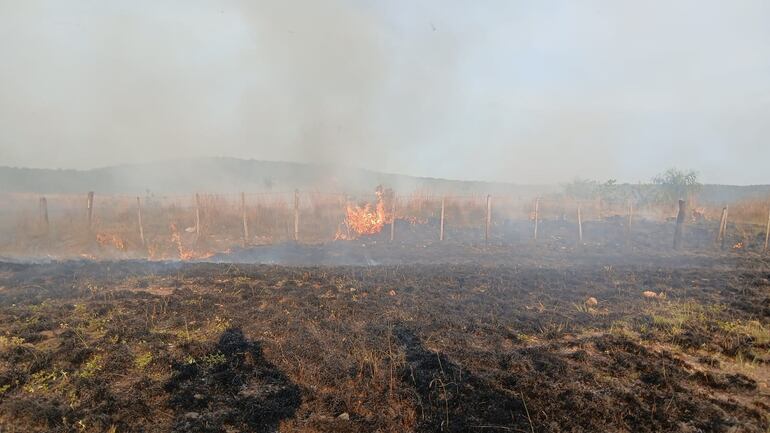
x: 184, y: 228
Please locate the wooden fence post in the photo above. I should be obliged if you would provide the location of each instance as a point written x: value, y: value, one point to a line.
x: 245, y: 221
x: 347, y: 225
x: 139, y: 216
x: 393, y: 219
x: 44, y: 215
x: 721, y: 230
x: 197, y: 216
x: 580, y: 225
x: 90, y: 209
x: 679, y: 223
x: 296, y: 215
x: 441, y: 230
x: 629, y: 222
x: 724, y: 227
x: 537, y: 216
x: 489, y: 218
x: 767, y: 232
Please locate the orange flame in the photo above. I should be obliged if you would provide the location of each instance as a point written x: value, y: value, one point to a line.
x: 153, y: 252
x: 110, y: 240
x: 184, y: 252
x: 365, y: 219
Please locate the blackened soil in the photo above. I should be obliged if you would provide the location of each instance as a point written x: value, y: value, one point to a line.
x: 517, y: 346
x: 231, y: 386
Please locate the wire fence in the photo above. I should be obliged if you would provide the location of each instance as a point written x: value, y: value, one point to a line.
x: 200, y: 225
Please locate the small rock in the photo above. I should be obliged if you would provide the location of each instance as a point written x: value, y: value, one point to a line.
x: 592, y: 302
x: 192, y: 415
x: 392, y: 293
x: 344, y: 416
x: 199, y: 396
x: 649, y: 294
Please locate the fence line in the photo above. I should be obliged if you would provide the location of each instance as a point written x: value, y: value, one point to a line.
x: 198, y: 224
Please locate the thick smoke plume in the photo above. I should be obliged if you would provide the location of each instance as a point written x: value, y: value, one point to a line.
x: 502, y: 91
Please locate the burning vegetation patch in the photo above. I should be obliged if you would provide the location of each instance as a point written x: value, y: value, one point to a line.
x: 111, y: 240
x: 367, y: 218
x: 198, y: 226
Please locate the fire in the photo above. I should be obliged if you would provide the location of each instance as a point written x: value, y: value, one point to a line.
x: 365, y: 219
x: 184, y: 252
x: 176, y: 238
x: 111, y: 240
x: 153, y: 252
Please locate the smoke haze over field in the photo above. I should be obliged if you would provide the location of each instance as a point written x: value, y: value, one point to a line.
x: 528, y: 92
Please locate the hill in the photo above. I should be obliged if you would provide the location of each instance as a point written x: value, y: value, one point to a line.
x: 234, y: 175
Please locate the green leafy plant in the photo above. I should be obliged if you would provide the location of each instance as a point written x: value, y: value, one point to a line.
x: 214, y: 359
x: 674, y: 184
x: 143, y: 360
x: 42, y: 380
x: 7, y: 343
x: 93, y: 366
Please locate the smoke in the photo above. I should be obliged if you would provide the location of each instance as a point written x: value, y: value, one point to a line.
x: 504, y: 91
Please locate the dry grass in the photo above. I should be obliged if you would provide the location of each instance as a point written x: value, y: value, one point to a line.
x: 169, y: 222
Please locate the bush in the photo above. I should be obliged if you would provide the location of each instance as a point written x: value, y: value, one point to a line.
x: 674, y: 184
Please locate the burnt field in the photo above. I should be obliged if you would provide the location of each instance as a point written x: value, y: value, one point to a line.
x: 488, y: 339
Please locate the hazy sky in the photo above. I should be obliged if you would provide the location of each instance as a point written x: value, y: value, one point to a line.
x: 521, y: 91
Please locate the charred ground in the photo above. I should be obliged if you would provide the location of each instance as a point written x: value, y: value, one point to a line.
x: 513, y: 344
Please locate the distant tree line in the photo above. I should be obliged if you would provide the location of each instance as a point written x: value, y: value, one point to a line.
x: 667, y: 187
